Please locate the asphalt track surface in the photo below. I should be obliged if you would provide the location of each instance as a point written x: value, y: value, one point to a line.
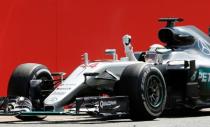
x: 198, y: 119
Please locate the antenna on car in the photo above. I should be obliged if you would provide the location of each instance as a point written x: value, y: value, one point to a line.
x: 170, y: 21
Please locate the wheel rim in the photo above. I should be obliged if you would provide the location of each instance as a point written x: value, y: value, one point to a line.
x: 154, y: 91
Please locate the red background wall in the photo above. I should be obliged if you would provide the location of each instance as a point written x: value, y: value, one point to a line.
x: 57, y: 32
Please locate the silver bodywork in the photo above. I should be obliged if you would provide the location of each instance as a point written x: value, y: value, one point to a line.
x: 108, y: 73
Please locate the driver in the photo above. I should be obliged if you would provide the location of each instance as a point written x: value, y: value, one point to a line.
x: 152, y: 54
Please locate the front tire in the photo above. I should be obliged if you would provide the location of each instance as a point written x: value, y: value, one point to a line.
x: 19, y: 85
x: 145, y: 86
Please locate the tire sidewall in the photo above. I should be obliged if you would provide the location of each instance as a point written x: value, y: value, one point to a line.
x: 146, y: 72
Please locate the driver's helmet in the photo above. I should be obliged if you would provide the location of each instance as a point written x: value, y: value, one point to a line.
x: 152, y: 55
x: 154, y: 47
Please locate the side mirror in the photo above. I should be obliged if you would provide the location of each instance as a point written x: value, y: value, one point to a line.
x: 112, y: 52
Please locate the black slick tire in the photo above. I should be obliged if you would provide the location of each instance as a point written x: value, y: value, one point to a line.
x: 19, y: 83
x: 137, y: 82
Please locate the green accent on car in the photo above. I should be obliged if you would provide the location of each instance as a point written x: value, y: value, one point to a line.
x: 204, y: 80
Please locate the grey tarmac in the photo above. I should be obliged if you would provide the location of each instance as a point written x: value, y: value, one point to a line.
x: 198, y: 119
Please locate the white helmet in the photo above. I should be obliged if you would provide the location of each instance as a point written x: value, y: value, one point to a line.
x: 154, y: 47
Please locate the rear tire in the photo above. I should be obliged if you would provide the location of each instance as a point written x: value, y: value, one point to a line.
x: 19, y: 85
x: 145, y: 86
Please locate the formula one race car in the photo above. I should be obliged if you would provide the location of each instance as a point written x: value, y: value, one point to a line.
x: 141, y: 85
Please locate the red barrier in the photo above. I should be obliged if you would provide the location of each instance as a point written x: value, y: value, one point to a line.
x: 57, y: 32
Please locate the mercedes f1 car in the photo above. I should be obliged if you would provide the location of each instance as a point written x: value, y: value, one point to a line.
x: 140, y: 85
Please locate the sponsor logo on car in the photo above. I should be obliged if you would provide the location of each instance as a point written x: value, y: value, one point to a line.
x: 204, y: 75
x: 103, y: 104
x: 91, y: 65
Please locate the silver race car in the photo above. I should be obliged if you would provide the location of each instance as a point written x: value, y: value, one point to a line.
x: 140, y: 85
